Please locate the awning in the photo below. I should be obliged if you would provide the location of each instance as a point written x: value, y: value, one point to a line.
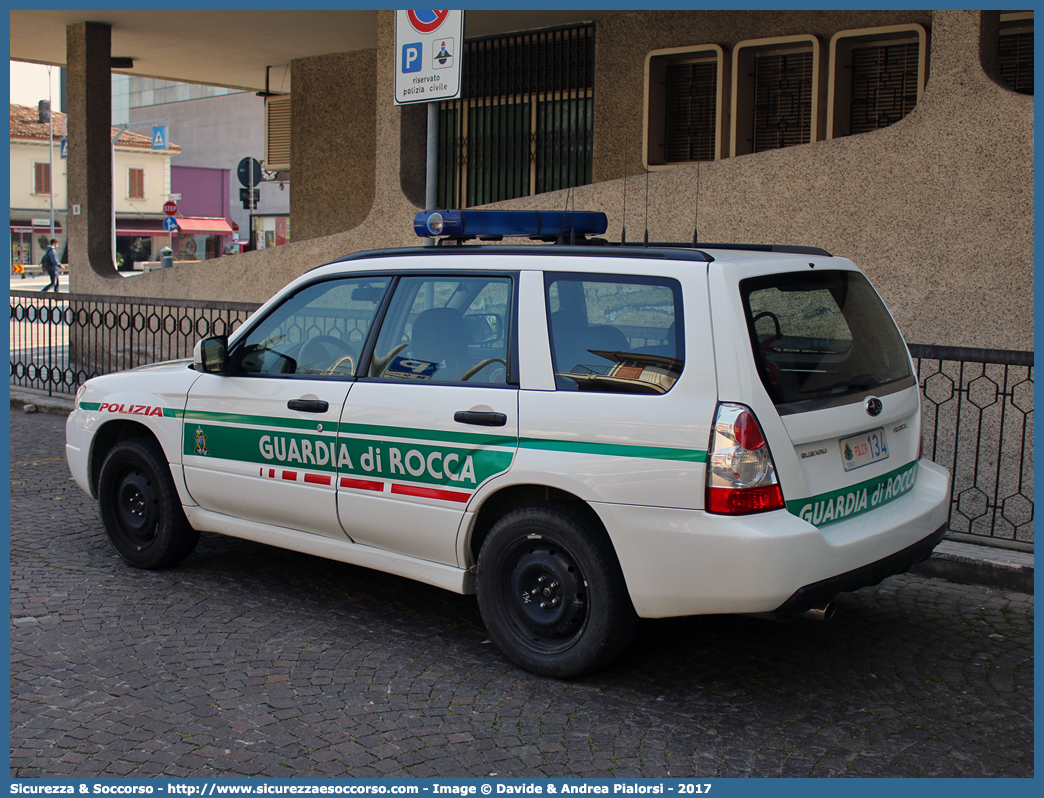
x: 140, y: 227
x: 206, y: 226
x: 22, y: 227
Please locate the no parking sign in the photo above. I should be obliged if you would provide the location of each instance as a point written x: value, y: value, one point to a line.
x: 427, y: 61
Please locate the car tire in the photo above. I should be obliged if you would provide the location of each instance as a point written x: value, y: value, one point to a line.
x: 140, y: 507
x: 551, y: 591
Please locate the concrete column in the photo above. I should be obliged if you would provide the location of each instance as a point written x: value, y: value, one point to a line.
x: 88, y: 51
x: 334, y: 134
x: 964, y: 47
x: 401, y: 129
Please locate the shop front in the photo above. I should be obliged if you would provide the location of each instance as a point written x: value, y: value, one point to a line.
x: 138, y: 241
x: 200, y: 238
x: 29, y: 240
x: 269, y: 230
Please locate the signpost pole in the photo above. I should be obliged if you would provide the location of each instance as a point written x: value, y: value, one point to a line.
x: 428, y: 55
x: 432, y: 171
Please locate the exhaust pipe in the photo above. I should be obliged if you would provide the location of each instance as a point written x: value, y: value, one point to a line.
x: 824, y: 613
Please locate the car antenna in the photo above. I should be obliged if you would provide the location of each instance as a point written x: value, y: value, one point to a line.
x: 647, y: 206
x: 696, y: 215
x: 574, y: 166
x: 623, y: 173
x: 565, y: 212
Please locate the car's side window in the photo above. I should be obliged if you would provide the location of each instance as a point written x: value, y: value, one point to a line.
x: 319, y: 331
x: 615, y: 333
x: 446, y: 329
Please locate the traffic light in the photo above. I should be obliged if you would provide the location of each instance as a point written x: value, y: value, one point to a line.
x: 250, y: 198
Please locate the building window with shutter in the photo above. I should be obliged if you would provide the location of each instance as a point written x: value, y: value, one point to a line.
x: 42, y: 179
x: 775, y: 93
x: 877, y: 77
x: 277, y: 133
x: 136, y: 183
x: 1015, y: 51
x: 525, y: 119
x: 683, y: 105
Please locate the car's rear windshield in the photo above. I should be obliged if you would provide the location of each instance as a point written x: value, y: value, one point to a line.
x: 822, y: 334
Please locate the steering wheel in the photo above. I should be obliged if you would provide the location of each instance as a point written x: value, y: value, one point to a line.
x: 471, y: 372
x: 379, y: 364
x: 319, y: 349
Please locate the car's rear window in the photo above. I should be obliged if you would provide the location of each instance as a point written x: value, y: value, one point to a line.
x: 822, y: 334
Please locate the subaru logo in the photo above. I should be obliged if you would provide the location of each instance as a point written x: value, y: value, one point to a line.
x: 873, y: 406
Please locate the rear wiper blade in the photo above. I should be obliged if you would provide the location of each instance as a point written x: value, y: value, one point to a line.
x: 862, y: 381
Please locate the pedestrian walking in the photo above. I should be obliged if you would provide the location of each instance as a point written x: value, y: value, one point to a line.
x: 51, y: 265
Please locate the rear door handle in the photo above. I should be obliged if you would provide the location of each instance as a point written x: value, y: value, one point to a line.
x: 484, y: 419
x: 308, y: 405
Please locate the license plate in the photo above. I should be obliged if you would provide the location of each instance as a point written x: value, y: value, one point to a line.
x: 863, y: 449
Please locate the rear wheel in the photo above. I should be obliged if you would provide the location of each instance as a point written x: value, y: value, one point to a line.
x: 140, y: 507
x: 551, y: 591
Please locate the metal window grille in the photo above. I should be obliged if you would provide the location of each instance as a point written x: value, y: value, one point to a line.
x: 692, y: 99
x: 782, y: 100
x: 884, y: 85
x: 524, y: 122
x: 1016, y: 61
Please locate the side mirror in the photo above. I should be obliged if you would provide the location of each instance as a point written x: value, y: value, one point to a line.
x: 211, y: 355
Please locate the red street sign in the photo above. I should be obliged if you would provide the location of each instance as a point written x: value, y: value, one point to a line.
x: 170, y: 207
x: 235, y: 227
x: 426, y: 21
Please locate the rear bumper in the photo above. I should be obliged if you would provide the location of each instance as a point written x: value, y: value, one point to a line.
x: 687, y: 562
x: 821, y: 593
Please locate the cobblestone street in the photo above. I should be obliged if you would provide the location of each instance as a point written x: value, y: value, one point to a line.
x: 247, y: 660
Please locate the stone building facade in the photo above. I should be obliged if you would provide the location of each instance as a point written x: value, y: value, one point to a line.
x: 937, y: 206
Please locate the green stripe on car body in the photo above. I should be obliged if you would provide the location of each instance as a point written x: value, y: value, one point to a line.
x: 839, y: 505
x: 464, y: 438
x: 446, y: 465
x: 615, y: 450
x: 216, y: 428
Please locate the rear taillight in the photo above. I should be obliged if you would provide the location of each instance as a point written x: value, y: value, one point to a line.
x: 741, y: 477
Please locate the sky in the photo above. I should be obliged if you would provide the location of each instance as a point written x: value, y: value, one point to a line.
x: 29, y: 84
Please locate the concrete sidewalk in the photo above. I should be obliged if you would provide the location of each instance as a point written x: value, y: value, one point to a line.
x: 967, y: 563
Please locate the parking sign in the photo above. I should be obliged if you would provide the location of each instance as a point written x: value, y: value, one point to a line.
x: 427, y: 61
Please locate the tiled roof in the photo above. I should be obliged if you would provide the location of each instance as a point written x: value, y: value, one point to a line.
x: 26, y: 124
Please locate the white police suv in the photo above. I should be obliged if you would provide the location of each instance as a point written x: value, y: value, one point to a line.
x: 582, y: 434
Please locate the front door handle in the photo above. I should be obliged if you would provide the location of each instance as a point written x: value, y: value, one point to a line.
x: 308, y: 405
x: 484, y: 419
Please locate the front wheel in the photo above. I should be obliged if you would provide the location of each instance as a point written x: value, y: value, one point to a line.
x: 140, y: 507
x: 551, y: 591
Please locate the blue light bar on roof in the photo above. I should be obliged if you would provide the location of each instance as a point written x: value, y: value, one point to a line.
x: 509, y: 223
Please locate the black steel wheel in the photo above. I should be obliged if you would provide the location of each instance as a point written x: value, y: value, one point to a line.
x: 551, y: 591
x: 140, y: 507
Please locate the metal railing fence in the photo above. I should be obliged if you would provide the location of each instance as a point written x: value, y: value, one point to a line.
x: 977, y: 420
x: 977, y: 403
x: 59, y: 341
